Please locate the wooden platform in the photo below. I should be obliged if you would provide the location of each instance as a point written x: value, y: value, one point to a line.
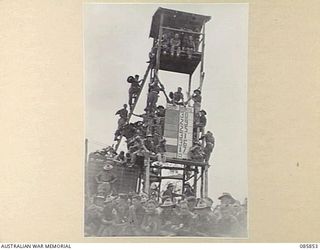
x: 180, y: 64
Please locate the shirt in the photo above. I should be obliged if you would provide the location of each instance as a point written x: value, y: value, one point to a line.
x: 123, y: 113
x: 203, y: 121
x: 208, y: 138
x: 197, y: 98
x: 169, y: 193
x: 177, y: 96
x: 106, y: 176
x: 175, y: 42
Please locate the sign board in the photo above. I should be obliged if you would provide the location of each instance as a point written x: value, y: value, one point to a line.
x: 178, y: 130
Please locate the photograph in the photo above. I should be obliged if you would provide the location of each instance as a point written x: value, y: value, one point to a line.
x: 165, y: 120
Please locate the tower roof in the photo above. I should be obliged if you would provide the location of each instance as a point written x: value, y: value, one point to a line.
x: 177, y: 20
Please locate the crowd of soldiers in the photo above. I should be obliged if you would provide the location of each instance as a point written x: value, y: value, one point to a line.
x: 175, y: 43
x: 110, y: 213
x: 141, y: 215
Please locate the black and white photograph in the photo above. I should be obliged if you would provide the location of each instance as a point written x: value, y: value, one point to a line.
x: 166, y: 120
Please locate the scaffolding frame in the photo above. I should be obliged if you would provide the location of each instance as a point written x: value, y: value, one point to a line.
x: 199, y: 170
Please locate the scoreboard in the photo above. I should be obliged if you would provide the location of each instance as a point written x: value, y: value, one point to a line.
x: 178, y: 131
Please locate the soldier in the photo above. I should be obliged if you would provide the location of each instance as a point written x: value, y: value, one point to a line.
x: 94, y: 215
x: 189, y: 46
x: 188, y: 191
x: 165, y: 43
x: 177, y: 97
x: 105, y: 179
x: 200, y: 122
x: 185, y: 220
x: 175, y: 44
x: 196, y: 97
x: 192, y: 202
x: 228, y: 224
x: 226, y: 199
x: 151, y: 223
x: 161, y: 113
x: 128, y: 160
x: 148, y: 142
x: 168, y: 218
x: 120, y: 159
x: 170, y: 193
x: 128, y: 131
x: 210, y: 142
x: 156, y: 130
x: 197, y: 39
x: 154, y: 189
x: 123, y: 113
x: 137, y: 149
x: 152, y: 55
x: 108, y: 219
x: 136, y: 213
x: 196, y: 152
x: 205, y: 223
x: 161, y: 150
x: 134, y: 89
x: 239, y: 212
x: 122, y: 215
x: 153, y: 95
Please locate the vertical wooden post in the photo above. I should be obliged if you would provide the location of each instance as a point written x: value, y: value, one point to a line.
x: 206, y: 181
x: 151, y: 75
x: 160, y: 181
x: 139, y: 182
x: 159, y: 45
x: 202, y: 56
x: 147, y: 171
x: 189, y: 87
x: 184, y: 178
x: 195, y: 180
x: 202, y: 182
x: 204, y: 178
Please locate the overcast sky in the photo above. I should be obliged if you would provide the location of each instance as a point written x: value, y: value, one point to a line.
x: 117, y: 45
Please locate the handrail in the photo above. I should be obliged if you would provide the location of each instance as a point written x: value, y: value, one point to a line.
x: 182, y: 30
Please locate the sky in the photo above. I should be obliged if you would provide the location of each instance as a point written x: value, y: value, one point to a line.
x: 117, y: 43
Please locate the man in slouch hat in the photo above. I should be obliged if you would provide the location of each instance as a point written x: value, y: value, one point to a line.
x: 105, y: 179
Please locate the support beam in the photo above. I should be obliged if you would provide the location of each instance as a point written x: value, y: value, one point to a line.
x: 202, y: 179
x: 161, y: 85
x: 147, y: 171
x: 195, y: 180
x: 206, y: 186
x: 185, y: 162
x: 202, y: 56
x: 135, y: 103
x: 190, y: 177
x: 159, y: 187
x: 184, y: 179
x: 182, y: 30
x: 139, y: 183
x: 189, y: 87
x: 159, y: 45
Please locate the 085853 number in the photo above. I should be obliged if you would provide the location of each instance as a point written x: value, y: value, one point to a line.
x: 308, y: 246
